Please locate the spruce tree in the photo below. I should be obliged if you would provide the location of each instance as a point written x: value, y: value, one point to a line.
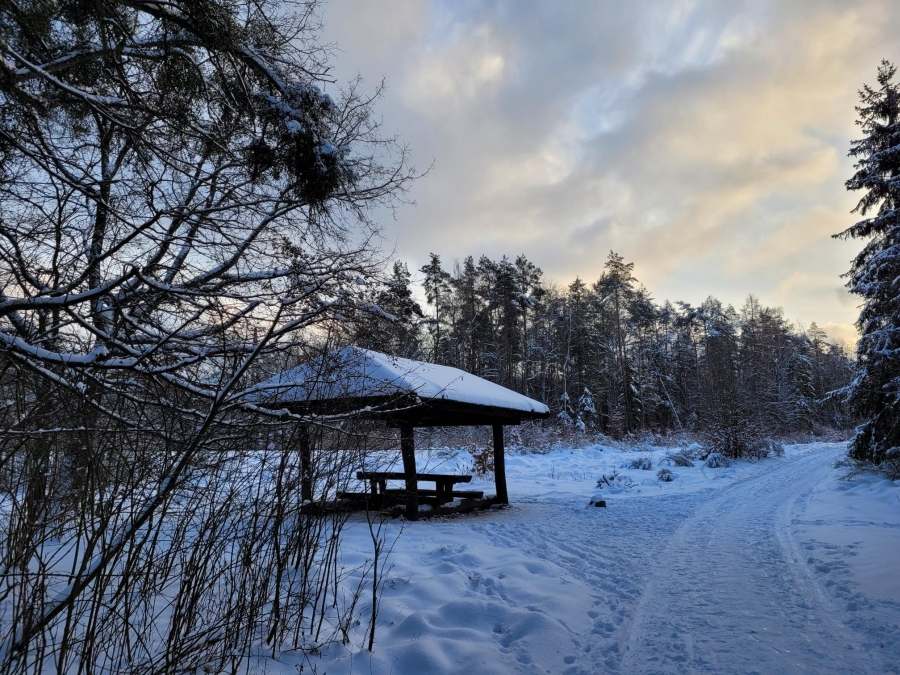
x: 875, y: 272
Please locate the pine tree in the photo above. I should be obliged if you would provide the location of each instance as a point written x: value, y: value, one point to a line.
x: 875, y: 272
x: 467, y: 315
x: 528, y: 280
x: 575, y: 336
x: 643, y: 324
x: 507, y: 298
x: 396, y: 331
x: 817, y: 338
x: 616, y: 286
x: 437, y: 290
x: 837, y: 370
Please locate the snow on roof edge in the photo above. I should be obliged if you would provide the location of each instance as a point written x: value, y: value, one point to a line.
x: 356, y: 372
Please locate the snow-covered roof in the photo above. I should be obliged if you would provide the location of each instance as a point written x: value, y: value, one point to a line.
x: 354, y: 372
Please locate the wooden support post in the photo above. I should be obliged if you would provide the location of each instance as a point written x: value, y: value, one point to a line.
x: 408, y: 450
x: 500, y: 466
x: 306, y: 491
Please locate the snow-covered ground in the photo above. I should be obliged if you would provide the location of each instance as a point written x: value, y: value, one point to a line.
x: 774, y: 566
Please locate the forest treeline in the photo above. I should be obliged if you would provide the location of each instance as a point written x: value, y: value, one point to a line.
x: 605, y: 355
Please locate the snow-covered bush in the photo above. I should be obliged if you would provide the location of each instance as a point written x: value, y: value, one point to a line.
x: 737, y: 438
x: 642, y: 463
x: 607, y: 479
x: 615, y: 480
x: 717, y: 460
x: 891, y: 468
x: 676, y: 459
x: 564, y: 418
x: 733, y: 437
x: 766, y: 447
x: 740, y: 439
x: 666, y: 475
x: 695, y: 451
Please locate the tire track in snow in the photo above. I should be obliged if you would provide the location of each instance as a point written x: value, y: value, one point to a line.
x: 693, y: 583
x: 730, y: 593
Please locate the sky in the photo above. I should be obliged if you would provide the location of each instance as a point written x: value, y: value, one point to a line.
x: 705, y: 140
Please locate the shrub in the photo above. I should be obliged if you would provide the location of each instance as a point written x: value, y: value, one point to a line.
x: 615, y: 480
x: 642, y: 463
x: 766, y: 447
x: 666, y: 475
x: 891, y: 468
x: 717, y: 461
x: 482, y: 460
x: 607, y: 479
x: 677, y: 459
x: 695, y: 451
x: 734, y: 440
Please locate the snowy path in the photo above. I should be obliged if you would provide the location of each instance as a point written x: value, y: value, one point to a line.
x: 733, y: 593
x: 682, y: 580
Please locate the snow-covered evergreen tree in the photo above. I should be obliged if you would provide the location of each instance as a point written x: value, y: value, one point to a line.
x: 875, y: 272
x: 800, y: 408
x: 663, y: 366
x: 587, y: 412
x: 566, y: 415
x: 395, y: 329
x: 817, y: 345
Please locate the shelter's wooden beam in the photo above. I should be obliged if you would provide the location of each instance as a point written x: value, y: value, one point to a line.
x: 500, y: 466
x: 306, y: 492
x: 408, y: 450
x: 443, y: 420
x: 397, y: 411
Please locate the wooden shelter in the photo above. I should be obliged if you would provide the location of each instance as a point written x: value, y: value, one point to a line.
x: 405, y: 394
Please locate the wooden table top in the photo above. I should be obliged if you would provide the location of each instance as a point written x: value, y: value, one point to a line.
x: 399, y: 475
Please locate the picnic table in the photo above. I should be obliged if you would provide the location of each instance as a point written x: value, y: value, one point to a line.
x: 443, y: 482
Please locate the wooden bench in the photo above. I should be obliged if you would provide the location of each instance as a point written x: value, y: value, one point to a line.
x: 455, y: 494
x: 443, y: 491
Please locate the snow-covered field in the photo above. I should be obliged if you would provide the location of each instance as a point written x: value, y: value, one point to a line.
x: 774, y: 566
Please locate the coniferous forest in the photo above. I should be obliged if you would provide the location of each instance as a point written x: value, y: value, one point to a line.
x: 607, y: 356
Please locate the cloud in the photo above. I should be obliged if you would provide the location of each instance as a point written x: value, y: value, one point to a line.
x: 449, y: 76
x: 841, y: 332
x: 705, y: 140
